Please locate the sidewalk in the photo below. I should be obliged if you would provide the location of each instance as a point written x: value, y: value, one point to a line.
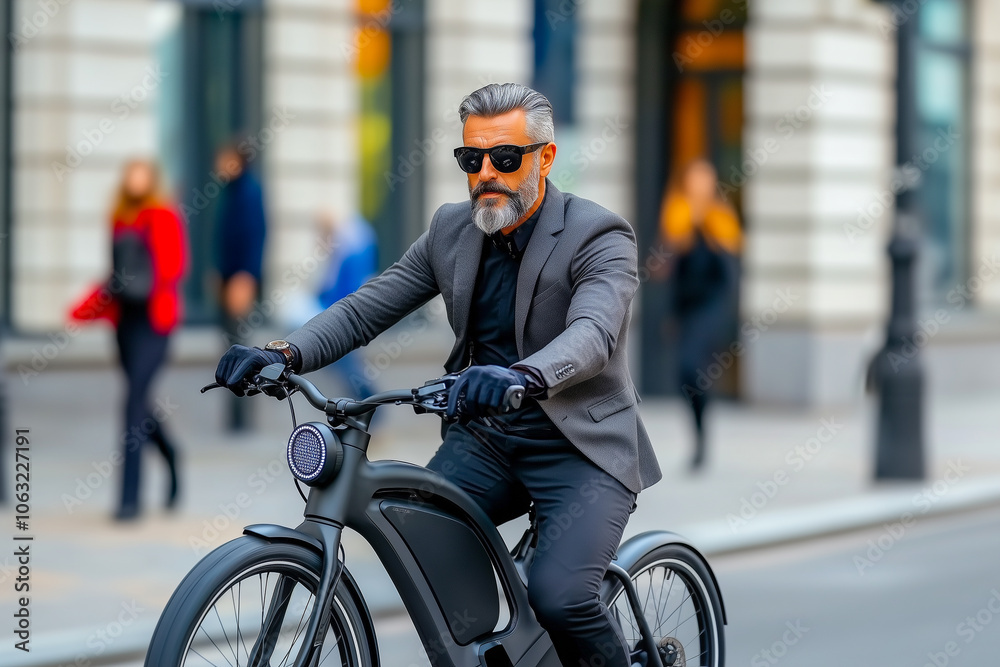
x: 98, y: 588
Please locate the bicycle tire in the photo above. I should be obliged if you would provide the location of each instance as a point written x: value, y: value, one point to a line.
x: 684, y: 575
x: 181, y: 625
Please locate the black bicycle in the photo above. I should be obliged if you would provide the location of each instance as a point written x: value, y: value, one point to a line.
x: 282, y: 596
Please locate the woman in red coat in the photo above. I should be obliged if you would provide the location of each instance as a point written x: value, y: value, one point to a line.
x: 142, y: 299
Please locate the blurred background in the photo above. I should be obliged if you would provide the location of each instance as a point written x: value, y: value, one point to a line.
x: 831, y: 127
x: 352, y: 107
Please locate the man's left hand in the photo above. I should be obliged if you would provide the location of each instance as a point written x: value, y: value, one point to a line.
x: 239, y: 294
x: 482, y: 388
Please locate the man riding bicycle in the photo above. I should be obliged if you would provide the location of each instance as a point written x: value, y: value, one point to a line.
x: 538, y: 286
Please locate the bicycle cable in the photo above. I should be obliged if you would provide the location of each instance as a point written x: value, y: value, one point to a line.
x: 291, y: 408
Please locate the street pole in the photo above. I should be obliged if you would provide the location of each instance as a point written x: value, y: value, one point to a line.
x: 898, y: 368
x: 900, y: 374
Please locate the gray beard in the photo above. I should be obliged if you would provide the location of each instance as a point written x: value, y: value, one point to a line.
x: 493, y: 217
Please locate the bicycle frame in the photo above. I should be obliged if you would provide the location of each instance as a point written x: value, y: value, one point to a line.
x: 441, y: 551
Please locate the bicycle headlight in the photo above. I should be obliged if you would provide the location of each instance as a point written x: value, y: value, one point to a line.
x: 315, y: 453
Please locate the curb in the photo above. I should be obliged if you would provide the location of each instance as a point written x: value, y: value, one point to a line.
x: 880, y: 506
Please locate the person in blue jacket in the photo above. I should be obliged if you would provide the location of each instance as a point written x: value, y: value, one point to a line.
x: 240, y: 236
x: 353, y: 260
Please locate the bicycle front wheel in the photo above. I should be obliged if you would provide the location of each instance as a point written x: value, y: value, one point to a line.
x: 681, y: 604
x: 247, y: 604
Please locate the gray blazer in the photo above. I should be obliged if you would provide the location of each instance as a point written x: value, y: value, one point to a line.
x: 574, y: 293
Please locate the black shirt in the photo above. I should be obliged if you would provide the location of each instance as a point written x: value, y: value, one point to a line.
x: 491, y: 319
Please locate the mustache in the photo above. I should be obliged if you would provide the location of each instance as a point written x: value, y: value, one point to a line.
x: 491, y: 186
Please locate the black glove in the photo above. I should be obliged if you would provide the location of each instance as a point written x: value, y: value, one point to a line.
x: 483, y: 388
x: 240, y: 364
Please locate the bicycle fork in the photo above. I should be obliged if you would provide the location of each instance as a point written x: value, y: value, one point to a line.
x: 319, y: 620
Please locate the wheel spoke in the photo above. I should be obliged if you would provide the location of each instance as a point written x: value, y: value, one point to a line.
x: 675, y: 611
x: 299, y: 627
x: 673, y: 577
x: 236, y: 598
x: 666, y: 598
x: 263, y: 607
x: 673, y: 633
x: 216, y: 646
x: 333, y: 646
x: 631, y: 615
x: 225, y: 635
x: 203, y: 657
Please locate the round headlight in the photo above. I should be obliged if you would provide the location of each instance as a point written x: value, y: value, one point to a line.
x: 314, y: 453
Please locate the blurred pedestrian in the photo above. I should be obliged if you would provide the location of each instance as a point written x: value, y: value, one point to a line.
x: 353, y: 259
x: 350, y: 247
x: 240, y: 236
x: 143, y: 299
x: 704, y: 234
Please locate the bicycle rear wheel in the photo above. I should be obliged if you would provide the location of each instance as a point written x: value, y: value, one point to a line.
x: 681, y: 604
x: 247, y: 604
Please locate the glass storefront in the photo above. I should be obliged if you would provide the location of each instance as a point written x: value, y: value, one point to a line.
x: 941, y: 141
x: 217, y: 99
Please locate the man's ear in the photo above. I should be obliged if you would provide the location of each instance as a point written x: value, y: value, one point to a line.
x: 548, y: 158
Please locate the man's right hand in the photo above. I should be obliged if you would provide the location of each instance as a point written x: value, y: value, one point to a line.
x: 240, y: 364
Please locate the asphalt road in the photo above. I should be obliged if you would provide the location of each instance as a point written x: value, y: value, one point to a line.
x: 910, y: 594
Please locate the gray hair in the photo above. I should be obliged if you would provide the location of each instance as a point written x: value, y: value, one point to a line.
x: 496, y: 99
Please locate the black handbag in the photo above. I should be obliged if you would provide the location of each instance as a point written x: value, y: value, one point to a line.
x: 132, y: 282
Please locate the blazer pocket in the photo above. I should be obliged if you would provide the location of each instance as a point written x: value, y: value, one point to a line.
x: 546, y: 293
x: 610, y: 405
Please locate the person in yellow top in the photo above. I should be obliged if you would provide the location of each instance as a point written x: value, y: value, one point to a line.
x: 691, y: 206
x: 704, y: 235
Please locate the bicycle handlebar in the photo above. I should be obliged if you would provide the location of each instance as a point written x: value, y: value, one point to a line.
x: 431, y: 397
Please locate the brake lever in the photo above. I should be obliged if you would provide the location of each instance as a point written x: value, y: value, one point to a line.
x: 252, y: 389
x: 512, y: 398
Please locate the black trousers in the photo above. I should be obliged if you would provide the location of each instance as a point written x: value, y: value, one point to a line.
x: 700, y: 333
x: 141, y: 352
x: 581, y: 512
x: 238, y: 415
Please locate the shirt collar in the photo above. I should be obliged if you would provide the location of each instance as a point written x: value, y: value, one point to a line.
x: 515, y: 243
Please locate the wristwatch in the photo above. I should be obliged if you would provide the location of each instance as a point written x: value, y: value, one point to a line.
x: 285, y: 348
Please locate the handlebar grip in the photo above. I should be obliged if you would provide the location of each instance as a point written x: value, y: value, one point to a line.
x: 512, y: 398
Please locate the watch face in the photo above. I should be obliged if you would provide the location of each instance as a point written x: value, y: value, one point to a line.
x: 277, y: 345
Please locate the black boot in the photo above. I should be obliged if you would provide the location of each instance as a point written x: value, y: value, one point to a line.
x: 172, y: 490
x: 169, y: 453
x: 127, y: 513
x: 698, y: 460
x: 698, y: 407
x: 128, y: 507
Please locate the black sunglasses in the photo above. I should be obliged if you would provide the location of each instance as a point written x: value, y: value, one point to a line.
x: 506, y: 158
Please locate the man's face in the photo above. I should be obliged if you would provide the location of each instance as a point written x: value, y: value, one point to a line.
x: 502, y: 200
x: 228, y: 164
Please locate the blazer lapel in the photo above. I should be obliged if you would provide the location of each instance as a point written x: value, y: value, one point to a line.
x: 468, y: 250
x: 543, y: 240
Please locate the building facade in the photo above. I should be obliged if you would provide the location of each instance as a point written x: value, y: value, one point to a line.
x: 350, y: 105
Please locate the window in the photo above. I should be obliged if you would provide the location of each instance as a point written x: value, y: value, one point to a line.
x: 942, y: 92
x: 390, y: 67
x: 708, y: 107
x: 217, y: 97
x: 555, y: 44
